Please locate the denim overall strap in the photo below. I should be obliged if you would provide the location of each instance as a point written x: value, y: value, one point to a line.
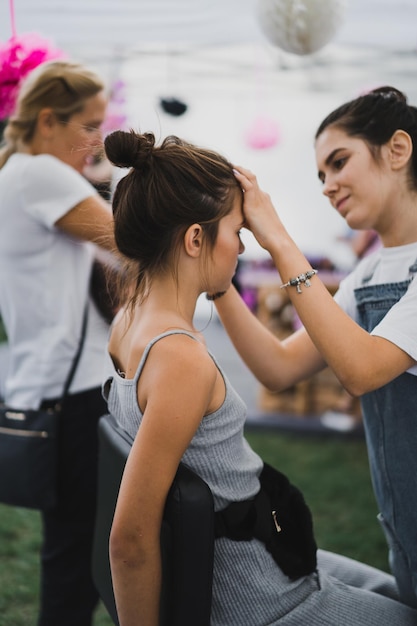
x: 390, y: 421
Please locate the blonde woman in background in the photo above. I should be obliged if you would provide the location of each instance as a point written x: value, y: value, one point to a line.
x: 50, y: 216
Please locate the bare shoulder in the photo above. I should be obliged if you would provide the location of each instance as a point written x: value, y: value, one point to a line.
x: 175, y: 353
x: 182, y: 349
x: 175, y: 361
x: 182, y: 369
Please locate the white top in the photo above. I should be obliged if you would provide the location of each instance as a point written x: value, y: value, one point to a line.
x: 44, y: 282
x: 389, y: 265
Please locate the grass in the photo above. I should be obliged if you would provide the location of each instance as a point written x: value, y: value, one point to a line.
x: 332, y: 473
x: 20, y: 537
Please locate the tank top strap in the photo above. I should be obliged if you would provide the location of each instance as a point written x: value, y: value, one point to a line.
x: 174, y: 331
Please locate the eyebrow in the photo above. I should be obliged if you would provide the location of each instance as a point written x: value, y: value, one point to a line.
x: 329, y: 160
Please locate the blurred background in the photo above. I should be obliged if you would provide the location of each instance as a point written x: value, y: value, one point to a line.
x: 207, y: 71
x: 238, y: 76
x: 213, y: 56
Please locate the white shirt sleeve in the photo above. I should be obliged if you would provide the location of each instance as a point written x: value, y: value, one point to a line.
x: 399, y: 324
x: 345, y: 295
x: 51, y: 188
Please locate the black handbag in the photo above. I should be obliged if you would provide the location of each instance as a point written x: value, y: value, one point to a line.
x: 279, y: 516
x: 29, y: 449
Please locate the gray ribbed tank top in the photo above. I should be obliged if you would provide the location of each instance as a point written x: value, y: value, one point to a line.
x: 249, y: 589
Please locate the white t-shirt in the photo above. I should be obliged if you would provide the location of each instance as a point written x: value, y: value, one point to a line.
x: 44, y: 282
x: 388, y: 265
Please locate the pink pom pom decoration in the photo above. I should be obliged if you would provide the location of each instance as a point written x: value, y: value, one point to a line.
x: 18, y: 57
x: 116, y: 118
x: 263, y: 133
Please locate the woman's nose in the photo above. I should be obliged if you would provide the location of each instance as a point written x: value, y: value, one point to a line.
x: 329, y: 186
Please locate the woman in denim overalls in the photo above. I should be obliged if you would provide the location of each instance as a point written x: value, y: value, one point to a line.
x: 366, y: 152
x: 391, y: 434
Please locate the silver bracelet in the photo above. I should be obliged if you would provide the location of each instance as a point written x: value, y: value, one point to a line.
x: 299, y: 280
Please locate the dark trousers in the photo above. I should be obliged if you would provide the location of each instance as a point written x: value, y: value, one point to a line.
x: 68, y: 595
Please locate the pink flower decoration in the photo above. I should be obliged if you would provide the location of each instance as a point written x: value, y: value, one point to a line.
x: 18, y: 57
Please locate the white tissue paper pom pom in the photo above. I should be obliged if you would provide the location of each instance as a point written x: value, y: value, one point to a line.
x: 300, y: 26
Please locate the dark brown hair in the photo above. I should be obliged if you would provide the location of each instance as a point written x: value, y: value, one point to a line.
x: 168, y: 188
x: 374, y: 117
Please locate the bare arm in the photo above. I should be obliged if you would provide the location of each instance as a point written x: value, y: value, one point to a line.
x: 170, y: 420
x: 361, y: 361
x: 276, y: 364
x: 90, y: 220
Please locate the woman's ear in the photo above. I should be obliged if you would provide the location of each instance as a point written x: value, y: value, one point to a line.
x: 400, y: 149
x: 46, y: 122
x: 193, y: 240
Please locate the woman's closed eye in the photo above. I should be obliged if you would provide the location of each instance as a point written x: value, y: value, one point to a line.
x: 91, y: 128
x: 335, y: 165
x: 339, y: 163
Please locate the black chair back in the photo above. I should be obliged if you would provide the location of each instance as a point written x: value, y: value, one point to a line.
x: 187, y: 535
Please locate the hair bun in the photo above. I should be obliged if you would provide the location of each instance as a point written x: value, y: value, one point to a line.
x: 390, y: 93
x: 129, y: 149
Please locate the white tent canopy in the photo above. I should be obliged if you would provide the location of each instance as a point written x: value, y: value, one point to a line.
x: 133, y: 23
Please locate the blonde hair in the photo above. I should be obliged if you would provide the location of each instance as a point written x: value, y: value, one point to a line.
x: 62, y: 86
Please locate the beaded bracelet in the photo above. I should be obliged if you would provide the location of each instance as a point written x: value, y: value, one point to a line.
x: 298, y: 280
